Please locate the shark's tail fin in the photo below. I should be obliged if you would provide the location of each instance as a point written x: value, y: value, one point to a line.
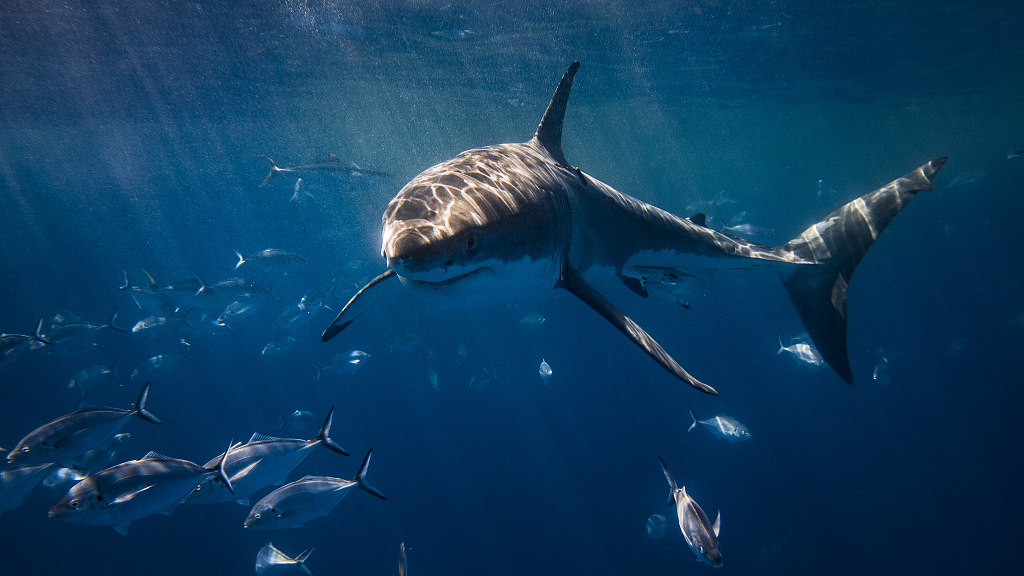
x: 273, y: 170
x: 837, y: 244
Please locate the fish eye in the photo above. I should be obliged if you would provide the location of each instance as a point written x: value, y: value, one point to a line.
x: 701, y: 549
x: 25, y: 450
x: 73, y: 504
x: 256, y: 515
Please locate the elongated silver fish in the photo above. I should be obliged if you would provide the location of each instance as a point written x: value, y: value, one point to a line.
x: 135, y: 489
x: 259, y: 463
x: 515, y: 222
x: 74, y: 434
x: 330, y: 163
x: 699, y: 533
x: 271, y: 257
x: 310, y: 497
x: 725, y: 427
x: 270, y: 561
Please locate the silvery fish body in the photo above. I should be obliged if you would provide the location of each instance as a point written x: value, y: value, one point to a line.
x: 310, y: 497
x: 802, y: 352
x: 17, y: 482
x: 131, y: 490
x: 257, y: 464
x: 699, y: 533
x: 89, y: 377
x: 270, y: 561
x: 725, y: 427
x: 74, y: 434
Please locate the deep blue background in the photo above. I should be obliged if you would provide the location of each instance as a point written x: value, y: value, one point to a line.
x: 130, y: 136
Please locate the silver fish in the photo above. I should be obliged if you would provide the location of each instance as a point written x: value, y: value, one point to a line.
x: 297, y: 420
x: 350, y: 362
x: 271, y: 257
x: 131, y: 490
x: 545, y: 371
x: 802, y: 352
x: 700, y: 534
x: 234, y: 312
x: 881, y: 372
x: 270, y: 561
x: 330, y: 163
x: 725, y: 427
x: 279, y: 346
x: 310, y: 497
x: 155, y: 366
x: 74, y: 434
x: 89, y: 377
x: 259, y: 463
x: 59, y: 477
x: 17, y: 482
x: 533, y: 320
x: 401, y: 560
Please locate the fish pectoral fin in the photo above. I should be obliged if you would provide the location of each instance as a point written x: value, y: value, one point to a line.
x: 576, y: 285
x: 121, y: 529
x: 346, y: 317
x: 718, y: 523
x: 242, y: 501
x: 128, y: 496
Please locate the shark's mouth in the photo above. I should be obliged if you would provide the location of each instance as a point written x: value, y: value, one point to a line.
x: 471, y: 275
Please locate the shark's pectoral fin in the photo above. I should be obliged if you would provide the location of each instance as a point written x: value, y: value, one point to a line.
x: 347, y: 316
x: 576, y: 285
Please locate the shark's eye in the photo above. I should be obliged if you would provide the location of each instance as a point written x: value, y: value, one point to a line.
x: 701, y: 549
x: 99, y: 498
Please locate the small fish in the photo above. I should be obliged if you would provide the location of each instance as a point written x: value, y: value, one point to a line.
x: 401, y: 560
x: 351, y: 362
x: 330, y: 163
x: 100, y: 458
x: 259, y: 463
x: 431, y: 376
x: 234, y: 312
x: 483, y: 378
x: 405, y: 343
x: 297, y: 420
x: 881, y: 372
x: 89, y: 377
x: 131, y: 490
x: 700, y: 534
x: 149, y: 322
x: 725, y: 427
x: 17, y: 482
x: 241, y: 288
x: 532, y: 320
x: 300, y: 198
x: 773, y: 546
x: 802, y: 352
x: 72, y: 435
x: 271, y: 257
x: 270, y: 561
x: 292, y: 505
x: 62, y: 476
x: 655, y: 527
x: 545, y: 371
x: 279, y: 346
x: 155, y: 366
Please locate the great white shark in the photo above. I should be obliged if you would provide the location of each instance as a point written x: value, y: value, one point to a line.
x: 517, y: 220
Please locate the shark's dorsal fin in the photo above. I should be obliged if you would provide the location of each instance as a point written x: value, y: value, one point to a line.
x: 549, y: 133
x: 700, y: 219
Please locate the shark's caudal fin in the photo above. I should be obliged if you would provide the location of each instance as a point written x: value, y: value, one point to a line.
x: 837, y: 244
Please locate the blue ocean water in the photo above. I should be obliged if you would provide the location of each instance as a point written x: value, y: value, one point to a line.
x: 130, y: 138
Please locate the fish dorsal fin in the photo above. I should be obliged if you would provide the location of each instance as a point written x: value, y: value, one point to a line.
x: 700, y: 219
x: 257, y: 437
x: 718, y: 524
x: 156, y: 456
x: 549, y: 133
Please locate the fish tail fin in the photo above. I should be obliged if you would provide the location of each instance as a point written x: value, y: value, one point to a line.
x: 781, y: 347
x: 273, y: 170
x: 220, y: 468
x: 671, y: 482
x: 282, y: 419
x: 694, y: 418
x: 126, y: 284
x: 38, y: 336
x: 241, y: 259
x: 115, y: 327
x: 325, y: 435
x: 140, y: 407
x: 150, y: 282
x: 203, y: 286
x: 836, y: 245
x: 360, y: 478
x: 319, y: 370
x: 300, y: 560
